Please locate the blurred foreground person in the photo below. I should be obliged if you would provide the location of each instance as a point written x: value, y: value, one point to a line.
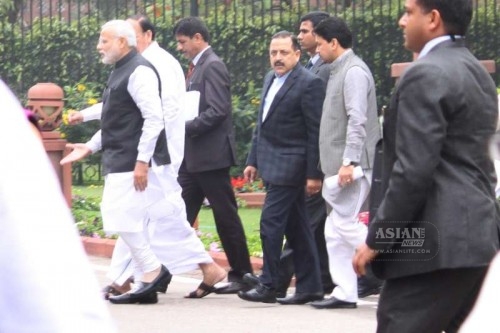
x: 46, y: 284
x: 435, y: 231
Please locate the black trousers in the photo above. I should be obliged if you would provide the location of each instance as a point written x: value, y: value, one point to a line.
x: 430, y: 302
x: 284, y: 214
x: 316, y: 215
x: 215, y: 185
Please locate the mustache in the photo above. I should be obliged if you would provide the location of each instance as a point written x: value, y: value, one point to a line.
x: 279, y: 63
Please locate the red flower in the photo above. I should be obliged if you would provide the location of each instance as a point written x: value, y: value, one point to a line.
x: 238, y: 183
x: 364, y: 217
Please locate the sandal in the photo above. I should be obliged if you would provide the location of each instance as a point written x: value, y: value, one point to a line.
x: 205, y: 288
x: 110, y: 291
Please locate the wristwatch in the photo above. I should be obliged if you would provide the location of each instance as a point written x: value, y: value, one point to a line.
x: 346, y: 162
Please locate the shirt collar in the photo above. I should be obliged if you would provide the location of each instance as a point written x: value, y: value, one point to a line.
x: 343, y: 55
x: 198, y: 56
x: 283, y: 77
x: 150, y: 48
x: 433, y: 42
x: 314, y: 58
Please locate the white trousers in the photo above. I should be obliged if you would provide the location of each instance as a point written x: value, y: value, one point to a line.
x: 171, y: 238
x: 143, y: 258
x: 343, y: 233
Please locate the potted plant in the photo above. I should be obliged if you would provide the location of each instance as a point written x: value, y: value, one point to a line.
x: 252, y: 194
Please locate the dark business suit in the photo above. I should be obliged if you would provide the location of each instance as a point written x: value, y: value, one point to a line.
x: 285, y: 153
x: 316, y: 212
x: 209, y: 153
x: 436, y: 169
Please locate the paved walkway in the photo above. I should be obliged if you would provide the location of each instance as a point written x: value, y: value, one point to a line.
x: 229, y: 314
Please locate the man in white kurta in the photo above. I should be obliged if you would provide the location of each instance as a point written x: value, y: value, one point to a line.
x: 171, y: 237
x: 47, y: 284
x: 132, y: 142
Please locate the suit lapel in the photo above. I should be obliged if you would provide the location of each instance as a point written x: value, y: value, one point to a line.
x: 316, y: 66
x: 267, y: 84
x: 197, y: 69
x: 289, y: 82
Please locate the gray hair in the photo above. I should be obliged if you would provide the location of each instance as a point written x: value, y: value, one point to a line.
x: 122, y: 29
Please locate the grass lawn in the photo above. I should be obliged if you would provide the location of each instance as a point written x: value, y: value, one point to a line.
x: 250, y: 218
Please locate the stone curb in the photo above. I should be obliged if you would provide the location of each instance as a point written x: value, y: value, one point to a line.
x: 102, y: 247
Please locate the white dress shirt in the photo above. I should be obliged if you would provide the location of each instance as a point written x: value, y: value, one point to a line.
x: 271, y: 93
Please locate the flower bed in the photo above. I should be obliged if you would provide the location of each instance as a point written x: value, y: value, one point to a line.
x: 252, y: 199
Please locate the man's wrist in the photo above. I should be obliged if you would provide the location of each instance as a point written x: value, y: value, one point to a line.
x: 348, y: 162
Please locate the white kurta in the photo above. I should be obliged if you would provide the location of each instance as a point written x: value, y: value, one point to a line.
x: 46, y: 284
x: 123, y: 208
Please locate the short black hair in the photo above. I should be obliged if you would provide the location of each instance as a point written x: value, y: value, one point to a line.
x: 334, y: 27
x: 456, y: 14
x: 288, y: 34
x: 190, y: 26
x: 315, y: 17
x: 145, y: 24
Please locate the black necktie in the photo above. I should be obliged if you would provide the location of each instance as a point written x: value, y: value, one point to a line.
x: 309, y: 64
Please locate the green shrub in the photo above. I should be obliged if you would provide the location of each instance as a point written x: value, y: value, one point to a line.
x: 51, y: 50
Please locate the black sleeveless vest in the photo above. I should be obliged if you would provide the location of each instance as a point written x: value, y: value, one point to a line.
x: 121, y: 120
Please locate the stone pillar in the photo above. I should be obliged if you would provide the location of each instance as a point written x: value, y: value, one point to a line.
x: 46, y: 101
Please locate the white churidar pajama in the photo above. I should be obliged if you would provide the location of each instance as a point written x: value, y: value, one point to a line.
x: 343, y: 233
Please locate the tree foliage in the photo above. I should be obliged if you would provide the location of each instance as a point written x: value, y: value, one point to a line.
x: 63, y: 52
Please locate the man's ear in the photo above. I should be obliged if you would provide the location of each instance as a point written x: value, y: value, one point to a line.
x: 435, y: 21
x: 334, y: 43
x: 122, y: 42
x: 198, y: 37
x: 149, y: 35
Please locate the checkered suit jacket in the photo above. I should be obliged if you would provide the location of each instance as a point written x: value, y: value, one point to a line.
x: 285, y: 145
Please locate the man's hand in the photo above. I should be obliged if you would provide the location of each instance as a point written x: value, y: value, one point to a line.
x: 313, y: 186
x: 141, y: 176
x: 361, y: 258
x: 346, y: 175
x: 79, y: 151
x: 75, y: 117
x: 250, y: 174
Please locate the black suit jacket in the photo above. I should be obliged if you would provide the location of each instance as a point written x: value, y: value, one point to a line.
x: 322, y: 69
x: 436, y: 169
x: 210, y: 142
x: 285, y: 146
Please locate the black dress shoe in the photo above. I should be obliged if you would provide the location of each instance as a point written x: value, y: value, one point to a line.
x: 258, y: 294
x: 162, y: 285
x: 159, y: 284
x: 133, y: 298
x: 251, y: 279
x: 333, y: 303
x: 365, y: 291
x: 280, y: 294
x: 300, y: 298
x: 232, y: 288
